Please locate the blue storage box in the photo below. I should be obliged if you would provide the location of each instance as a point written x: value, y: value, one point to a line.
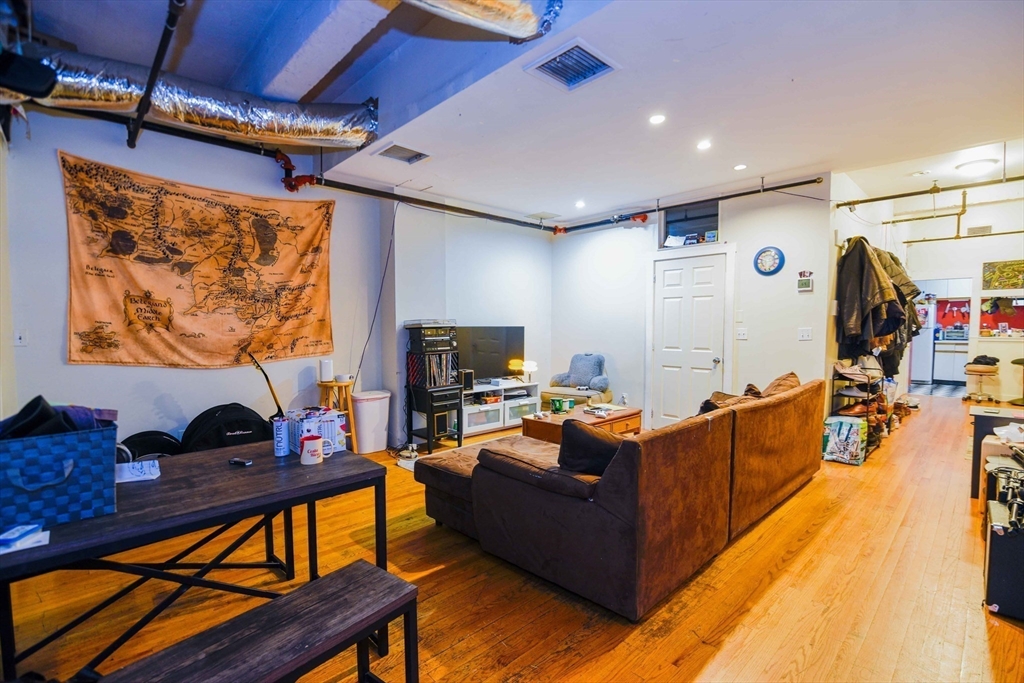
x: 56, y: 479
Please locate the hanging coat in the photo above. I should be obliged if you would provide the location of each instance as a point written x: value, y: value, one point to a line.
x: 867, y: 305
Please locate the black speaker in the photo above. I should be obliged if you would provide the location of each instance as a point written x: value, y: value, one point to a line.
x: 467, y: 379
x: 1004, y: 558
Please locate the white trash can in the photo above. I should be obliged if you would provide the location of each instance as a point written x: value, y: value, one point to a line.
x: 371, y: 420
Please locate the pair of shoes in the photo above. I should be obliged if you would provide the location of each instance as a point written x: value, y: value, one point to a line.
x: 854, y: 391
x: 855, y: 410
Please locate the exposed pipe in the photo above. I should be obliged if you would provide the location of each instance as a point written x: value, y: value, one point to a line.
x: 934, y: 189
x: 962, y: 237
x: 958, y: 214
x: 620, y: 218
x: 174, y: 10
x: 427, y: 204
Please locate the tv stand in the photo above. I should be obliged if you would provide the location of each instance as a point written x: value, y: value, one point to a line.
x: 511, y: 399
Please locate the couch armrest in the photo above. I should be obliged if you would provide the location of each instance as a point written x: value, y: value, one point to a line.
x: 560, y: 380
x: 672, y: 484
x: 599, y: 383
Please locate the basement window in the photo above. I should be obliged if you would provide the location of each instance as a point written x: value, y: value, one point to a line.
x: 690, y: 224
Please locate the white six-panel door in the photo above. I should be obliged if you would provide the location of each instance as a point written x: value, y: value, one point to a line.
x: 689, y: 328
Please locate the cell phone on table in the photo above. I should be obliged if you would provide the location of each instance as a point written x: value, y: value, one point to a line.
x: 241, y: 462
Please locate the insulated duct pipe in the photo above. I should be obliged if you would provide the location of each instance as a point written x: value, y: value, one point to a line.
x: 512, y: 18
x: 85, y: 82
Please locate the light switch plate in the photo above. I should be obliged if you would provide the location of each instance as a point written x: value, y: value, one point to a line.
x: 803, y: 334
x: 20, y: 338
x: 741, y: 333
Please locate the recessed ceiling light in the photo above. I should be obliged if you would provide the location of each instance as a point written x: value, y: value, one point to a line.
x: 658, y: 118
x: 704, y: 144
x: 739, y: 167
x: 580, y: 204
x: 977, y: 167
x: 918, y: 174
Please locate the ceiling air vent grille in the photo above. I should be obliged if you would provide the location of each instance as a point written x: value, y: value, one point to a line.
x: 399, y: 153
x: 980, y: 230
x: 572, y: 66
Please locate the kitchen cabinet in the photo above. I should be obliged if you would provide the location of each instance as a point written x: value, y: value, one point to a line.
x: 940, y: 288
x: 959, y: 288
x: 950, y: 359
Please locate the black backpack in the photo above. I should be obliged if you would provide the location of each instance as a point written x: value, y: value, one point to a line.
x: 231, y: 424
x: 152, y: 443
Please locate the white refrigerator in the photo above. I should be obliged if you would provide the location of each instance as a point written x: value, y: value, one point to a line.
x: 922, y: 347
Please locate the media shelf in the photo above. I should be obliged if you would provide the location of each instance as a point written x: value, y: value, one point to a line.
x: 515, y: 399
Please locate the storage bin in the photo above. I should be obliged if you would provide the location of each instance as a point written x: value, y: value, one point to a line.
x: 56, y: 479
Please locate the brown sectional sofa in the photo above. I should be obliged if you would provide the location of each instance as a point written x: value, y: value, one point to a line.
x: 669, y: 501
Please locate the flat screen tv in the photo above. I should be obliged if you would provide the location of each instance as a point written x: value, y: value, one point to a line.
x: 487, y: 351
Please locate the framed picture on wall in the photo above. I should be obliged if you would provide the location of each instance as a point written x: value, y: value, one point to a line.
x: 1002, y: 275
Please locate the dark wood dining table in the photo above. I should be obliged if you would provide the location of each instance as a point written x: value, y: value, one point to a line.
x: 195, y: 491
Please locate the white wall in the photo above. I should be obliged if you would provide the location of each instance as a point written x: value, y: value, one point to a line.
x: 8, y: 396
x: 770, y: 308
x: 599, y: 285
x: 165, y: 398
x: 600, y: 280
x: 474, y: 271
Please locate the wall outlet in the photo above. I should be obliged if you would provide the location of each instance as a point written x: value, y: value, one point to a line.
x: 624, y: 400
x: 741, y: 333
x: 803, y: 334
x: 20, y: 338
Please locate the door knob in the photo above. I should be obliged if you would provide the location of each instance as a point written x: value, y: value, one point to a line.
x: 716, y: 360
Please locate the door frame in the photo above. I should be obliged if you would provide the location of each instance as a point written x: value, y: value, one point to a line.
x: 674, y: 254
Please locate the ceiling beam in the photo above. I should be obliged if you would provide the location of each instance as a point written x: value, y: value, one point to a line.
x: 301, y: 44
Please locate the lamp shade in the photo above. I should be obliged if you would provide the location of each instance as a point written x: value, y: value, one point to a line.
x: 529, y: 366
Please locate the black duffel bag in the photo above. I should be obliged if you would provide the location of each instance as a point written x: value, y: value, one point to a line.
x: 231, y: 424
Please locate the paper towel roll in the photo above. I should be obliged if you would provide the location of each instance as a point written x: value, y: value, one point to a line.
x: 327, y: 370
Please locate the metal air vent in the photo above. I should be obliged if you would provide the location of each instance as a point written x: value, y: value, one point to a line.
x: 572, y: 66
x: 399, y: 153
x: 979, y: 230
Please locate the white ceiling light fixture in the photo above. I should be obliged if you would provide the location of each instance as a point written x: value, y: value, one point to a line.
x: 918, y: 174
x: 977, y: 167
x: 657, y: 118
x: 580, y: 204
x: 703, y: 145
x: 739, y: 167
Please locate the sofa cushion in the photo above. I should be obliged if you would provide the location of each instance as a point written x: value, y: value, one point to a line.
x: 540, y: 470
x: 586, y: 449
x: 450, y: 472
x: 781, y: 384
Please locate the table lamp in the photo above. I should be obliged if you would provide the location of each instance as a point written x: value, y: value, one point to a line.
x: 529, y: 367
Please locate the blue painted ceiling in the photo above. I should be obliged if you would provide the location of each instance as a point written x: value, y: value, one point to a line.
x: 212, y: 39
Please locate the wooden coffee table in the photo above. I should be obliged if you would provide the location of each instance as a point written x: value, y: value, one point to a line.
x: 625, y: 421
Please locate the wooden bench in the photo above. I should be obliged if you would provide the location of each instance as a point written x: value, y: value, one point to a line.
x: 292, y: 635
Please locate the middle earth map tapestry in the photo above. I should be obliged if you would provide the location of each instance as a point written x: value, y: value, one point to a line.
x: 168, y: 274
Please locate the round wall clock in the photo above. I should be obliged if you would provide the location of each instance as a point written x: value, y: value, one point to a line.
x: 769, y: 261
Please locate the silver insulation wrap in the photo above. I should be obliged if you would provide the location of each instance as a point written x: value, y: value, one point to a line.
x: 87, y: 82
x: 513, y: 18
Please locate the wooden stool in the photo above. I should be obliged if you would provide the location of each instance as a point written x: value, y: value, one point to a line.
x: 338, y: 395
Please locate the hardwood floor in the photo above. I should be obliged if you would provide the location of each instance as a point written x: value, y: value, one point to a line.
x: 869, y: 573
